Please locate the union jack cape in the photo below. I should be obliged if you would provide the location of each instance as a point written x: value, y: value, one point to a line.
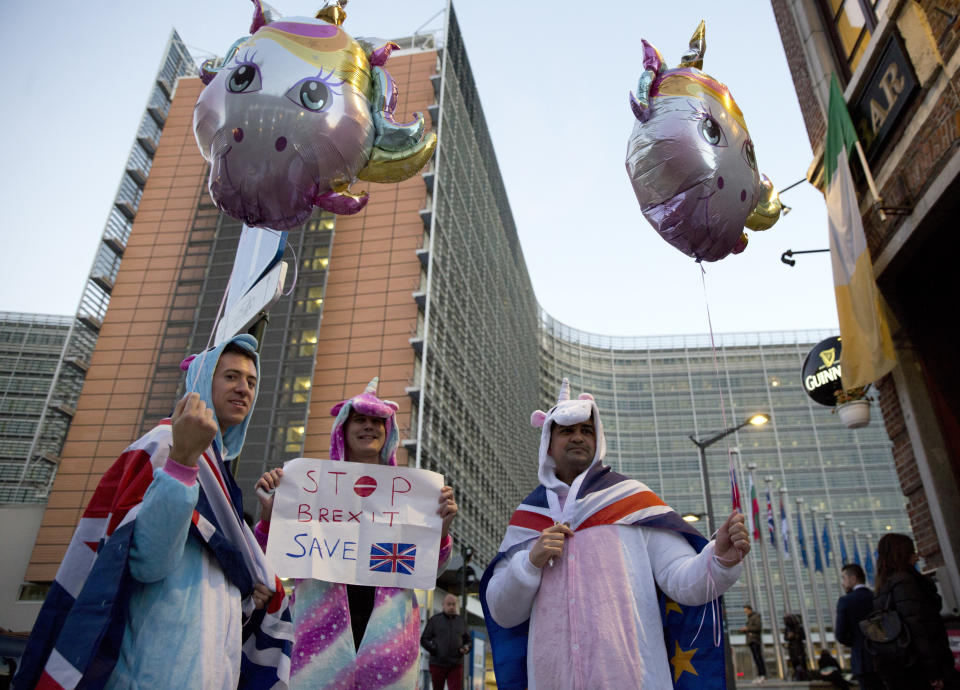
x: 76, y: 639
x: 607, y: 498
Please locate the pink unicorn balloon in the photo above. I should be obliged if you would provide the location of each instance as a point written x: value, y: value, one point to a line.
x: 691, y: 160
x: 297, y: 113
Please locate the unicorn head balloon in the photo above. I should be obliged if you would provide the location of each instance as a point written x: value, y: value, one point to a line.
x: 691, y: 160
x: 298, y: 111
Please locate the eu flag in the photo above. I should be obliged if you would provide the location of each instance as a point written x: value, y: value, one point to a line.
x: 803, y: 547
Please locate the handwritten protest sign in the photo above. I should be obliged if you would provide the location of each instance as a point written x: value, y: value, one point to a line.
x: 356, y: 523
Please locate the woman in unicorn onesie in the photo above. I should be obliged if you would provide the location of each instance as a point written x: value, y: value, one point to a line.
x: 598, y: 583
x: 356, y: 637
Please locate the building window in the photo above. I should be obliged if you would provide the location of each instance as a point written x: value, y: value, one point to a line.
x: 306, y: 342
x: 317, y: 260
x: 30, y: 591
x: 313, y: 302
x: 293, y: 439
x: 301, y: 389
x: 850, y: 23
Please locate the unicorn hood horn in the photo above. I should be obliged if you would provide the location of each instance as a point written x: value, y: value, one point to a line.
x: 565, y: 413
x: 367, y: 403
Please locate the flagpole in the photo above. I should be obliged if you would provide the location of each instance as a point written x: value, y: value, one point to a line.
x: 831, y: 602
x: 838, y: 570
x: 751, y: 586
x: 813, y: 581
x: 801, y: 592
x: 870, y: 183
x: 771, y: 602
x: 778, y: 547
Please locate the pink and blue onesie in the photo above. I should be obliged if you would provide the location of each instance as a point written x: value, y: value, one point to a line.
x: 628, y: 603
x: 324, y: 652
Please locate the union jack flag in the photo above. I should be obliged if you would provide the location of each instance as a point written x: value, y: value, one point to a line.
x: 393, y: 558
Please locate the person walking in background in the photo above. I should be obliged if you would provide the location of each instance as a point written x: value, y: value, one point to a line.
x: 852, y: 608
x: 928, y: 662
x: 795, y: 637
x: 447, y: 639
x: 754, y: 631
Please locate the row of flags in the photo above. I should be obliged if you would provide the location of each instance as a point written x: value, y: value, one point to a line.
x: 825, y: 546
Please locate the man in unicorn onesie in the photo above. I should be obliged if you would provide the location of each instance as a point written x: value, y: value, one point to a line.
x: 598, y: 583
x: 164, y: 585
x: 356, y: 637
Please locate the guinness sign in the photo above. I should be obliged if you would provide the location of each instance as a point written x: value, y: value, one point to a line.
x: 821, y: 372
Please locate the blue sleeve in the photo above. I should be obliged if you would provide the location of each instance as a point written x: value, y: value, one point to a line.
x: 843, y: 633
x: 162, y: 527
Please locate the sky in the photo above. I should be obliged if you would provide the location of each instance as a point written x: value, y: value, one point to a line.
x: 553, y: 79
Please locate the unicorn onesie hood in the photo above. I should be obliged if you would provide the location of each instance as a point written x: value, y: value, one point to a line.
x: 199, y: 380
x: 622, y: 605
x: 324, y: 652
x: 566, y: 413
x: 367, y: 403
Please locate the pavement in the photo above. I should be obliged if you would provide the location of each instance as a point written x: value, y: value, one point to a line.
x: 777, y: 683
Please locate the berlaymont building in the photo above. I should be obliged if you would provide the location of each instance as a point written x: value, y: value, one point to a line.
x: 411, y: 290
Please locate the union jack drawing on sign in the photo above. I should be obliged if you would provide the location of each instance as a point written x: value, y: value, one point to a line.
x: 393, y: 558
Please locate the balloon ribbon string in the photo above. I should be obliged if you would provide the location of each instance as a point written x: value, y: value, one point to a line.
x: 734, y: 488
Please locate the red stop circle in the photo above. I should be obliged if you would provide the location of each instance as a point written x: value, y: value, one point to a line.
x: 365, y: 486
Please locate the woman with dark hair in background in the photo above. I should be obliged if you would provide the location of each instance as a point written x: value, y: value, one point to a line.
x: 901, y: 588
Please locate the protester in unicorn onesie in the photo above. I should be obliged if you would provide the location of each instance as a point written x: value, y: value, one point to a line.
x: 356, y: 637
x: 163, y: 585
x: 598, y: 583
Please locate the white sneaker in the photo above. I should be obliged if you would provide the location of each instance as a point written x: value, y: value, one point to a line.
x: 759, y: 680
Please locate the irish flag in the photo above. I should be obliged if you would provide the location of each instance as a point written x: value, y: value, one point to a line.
x: 867, y: 352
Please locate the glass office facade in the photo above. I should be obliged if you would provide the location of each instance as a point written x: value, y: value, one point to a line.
x: 37, y: 374
x: 479, y: 331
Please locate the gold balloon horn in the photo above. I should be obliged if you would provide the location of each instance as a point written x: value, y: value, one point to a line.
x: 698, y: 48
x: 334, y: 13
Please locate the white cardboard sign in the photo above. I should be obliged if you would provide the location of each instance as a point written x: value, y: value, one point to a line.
x: 356, y: 523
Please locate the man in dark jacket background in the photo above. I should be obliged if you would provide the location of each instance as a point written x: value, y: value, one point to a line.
x: 447, y: 639
x: 754, y: 631
x: 852, y: 608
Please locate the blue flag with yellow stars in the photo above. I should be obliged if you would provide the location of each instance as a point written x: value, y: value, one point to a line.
x: 696, y: 661
x: 803, y: 546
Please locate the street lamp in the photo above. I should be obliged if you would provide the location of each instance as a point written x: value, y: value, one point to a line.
x: 753, y: 420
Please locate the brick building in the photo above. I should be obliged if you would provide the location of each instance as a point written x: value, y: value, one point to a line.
x: 897, y: 63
